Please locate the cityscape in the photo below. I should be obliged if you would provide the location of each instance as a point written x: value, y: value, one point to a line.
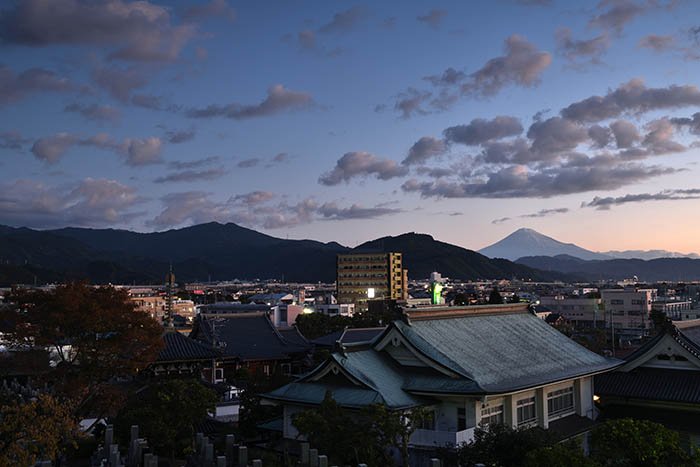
x: 444, y: 234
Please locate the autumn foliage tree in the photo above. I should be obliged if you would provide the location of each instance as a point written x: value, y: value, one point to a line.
x: 34, y: 430
x: 95, y: 341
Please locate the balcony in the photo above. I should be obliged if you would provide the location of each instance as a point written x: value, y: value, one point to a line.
x: 441, y: 438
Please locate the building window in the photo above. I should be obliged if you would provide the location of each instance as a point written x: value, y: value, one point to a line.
x: 427, y: 422
x: 617, y: 302
x: 461, y: 418
x: 492, y: 415
x: 286, y: 369
x: 526, y: 411
x: 560, y: 401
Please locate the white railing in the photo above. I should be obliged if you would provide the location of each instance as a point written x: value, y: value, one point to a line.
x: 441, y: 438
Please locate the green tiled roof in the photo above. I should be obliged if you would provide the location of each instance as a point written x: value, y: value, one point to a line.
x: 504, y: 351
x: 490, y: 353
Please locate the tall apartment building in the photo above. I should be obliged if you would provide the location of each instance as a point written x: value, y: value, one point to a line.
x: 363, y: 276
x: 629, y: 309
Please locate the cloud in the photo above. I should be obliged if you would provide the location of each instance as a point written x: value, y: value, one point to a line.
x: 632, y: 97
x: 88, y: 203
x: 136, y: 151
x: 344, y: 21
x: 540, y: 213
x: 657, y: 43
x: 692, y: 123
x: 411, y: 102
x: 626, y: 134
x: 556, y: 135
x: 12, y: 140
x: 616, y: 14
x: 433, y: 18
x: 143, y: 151
x: 606, y: 203
x: 331, y: 211
x: 479, y: 130
x: 248, y: 163
x: 545, y: 213
x: 180, y: 136
x: 578, y: 51
x: 136, y: 31
x: 119, y: 82
x: 280, y: 157
x: 424, y: 149
x: 278, y: 100
x: 194, y: 164
x: 518, y: 181
x: 659, y: 139
x: 600, y: 136
x: 362, y: 164
x: 104, y: 113
x: 192, y: 175
x: 51, y: 148
x: 449, y: 77
x: 254, y: 197
x: 255, y: 209
x: 213, y: 9
x: 17, y: 86
x: 522, y: 65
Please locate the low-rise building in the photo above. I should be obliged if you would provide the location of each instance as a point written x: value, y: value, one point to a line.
x: 580, y: 311
x: 629, y: 310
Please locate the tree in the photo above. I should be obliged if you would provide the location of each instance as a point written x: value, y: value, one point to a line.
x: 515, y: 298
x: 661, y: 322
x: 461, y: 299
x: 559, y: 455
x: 94, y: 335
x: 167, y: 413
x: 639, y: 443
x: 502, y: 445
x: 495, y: 297
x: 366, y: 436
x: 34, y: 430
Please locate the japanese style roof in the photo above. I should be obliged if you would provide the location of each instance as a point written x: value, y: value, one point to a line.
x: 348, y: 336
x: 658, y: 384
x: 293, y: 336
x: 249, y: 336
x: 377, y: 380
x: 492, y: 350
x: 180, y: 348
x: 503, y: 351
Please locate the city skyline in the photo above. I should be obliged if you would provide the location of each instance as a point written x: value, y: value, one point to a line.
x: 351, y: 121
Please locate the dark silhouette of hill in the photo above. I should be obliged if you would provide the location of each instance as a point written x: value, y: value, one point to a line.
x: 422, y: 254
x: 219, y: 252
x: 660, y: 269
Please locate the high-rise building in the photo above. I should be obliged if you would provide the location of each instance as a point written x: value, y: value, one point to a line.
x: 366, y: 276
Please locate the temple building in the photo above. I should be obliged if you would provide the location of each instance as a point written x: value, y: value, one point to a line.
x: 468, y: 366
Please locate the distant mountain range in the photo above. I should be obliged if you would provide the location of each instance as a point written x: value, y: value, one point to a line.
x: 659, y: 269
x: 528, y: 242
x: 221, y: 252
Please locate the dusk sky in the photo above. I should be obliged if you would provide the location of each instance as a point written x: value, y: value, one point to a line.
x: 348, y: 121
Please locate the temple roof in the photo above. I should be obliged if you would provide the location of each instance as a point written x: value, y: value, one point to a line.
x: 181, y: 348
x: 491, y: 351
x: 250, y: 336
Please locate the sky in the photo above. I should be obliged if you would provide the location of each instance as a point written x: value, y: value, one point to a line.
x: 344, y: 121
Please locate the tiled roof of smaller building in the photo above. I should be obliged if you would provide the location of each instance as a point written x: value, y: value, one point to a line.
x: 250, y: 336
x: 181, y: 348
x: 644, y: 383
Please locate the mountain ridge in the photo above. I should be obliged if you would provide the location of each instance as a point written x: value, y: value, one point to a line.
x: 215, y: 251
